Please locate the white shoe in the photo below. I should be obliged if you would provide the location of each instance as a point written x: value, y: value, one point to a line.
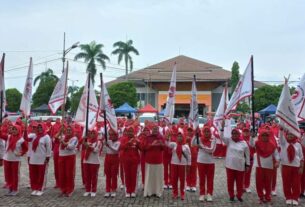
x: 133, y: 195
x: 34, y: 193
x: 86, y: 194
x: 248, y: 190
x: 127, y: 195
x: 273, y: 193
x: 193, y: 189
x: 39, y: 193
x: 295, y: 203
x: 187, y: 188
x: 165, y: 186
x: 288, y: 202
x: 170, y: 187
x: 107, y: 195
x: 201, y: 198
x: 122, y: 186
x: 93, y: 194
x: 209, y: 198
x: 113, y: 194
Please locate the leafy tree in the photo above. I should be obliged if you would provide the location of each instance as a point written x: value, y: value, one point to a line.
x: 234, y: 76
x: 75, y: 99
x: 72, y: 90
x: 266, y: 95
x: 123, y: 92
x: 123, y: 50
x: 44, y: 91
x: 13, y: 99
x: 47, y: 75
x: 92, y: 53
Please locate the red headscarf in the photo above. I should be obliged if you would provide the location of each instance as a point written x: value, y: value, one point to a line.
x: 290, y: 148
x: 239, y: 138
x: 116, y: 135
x: 246, y: 137
x: 206, y: 141
x: 265, y: 148
x: 179, y: 146
x: 67, y: 137
x: 91, y: 140
x: 14, y: 138
x: 39, y: 136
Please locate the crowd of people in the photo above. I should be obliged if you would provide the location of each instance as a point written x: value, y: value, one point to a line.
x: 169, y: 156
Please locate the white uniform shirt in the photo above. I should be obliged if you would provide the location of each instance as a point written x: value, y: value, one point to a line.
x: 115, y: 147
x: 186, y: 154
x: 94, y: 157
x: 283, y: 155
x: 31, y: 137
x: 43, y: 151
x: 204, y: 152
x: 70, y: 149
x: 238, y: 154
x: 161, y: 130
x: 11, y: 156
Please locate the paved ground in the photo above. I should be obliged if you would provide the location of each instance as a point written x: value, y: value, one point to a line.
x: 51, y: 196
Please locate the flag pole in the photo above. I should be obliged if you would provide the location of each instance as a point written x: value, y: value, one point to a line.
x: 252, y: 97
x: 104, y: 107
x: 2, y: 92
x: 87, y: 108
x: 65, y: 93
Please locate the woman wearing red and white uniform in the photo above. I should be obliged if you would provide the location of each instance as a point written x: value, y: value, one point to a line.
x: 292, y: 162
x: 92, y: 147
x: 40, y: 155
x: 237, y: 162
x: 205, y: 163
x: 130, y: 158
x: 15, y: 147
x: 191, y: 177
x: 266, y: 159
x: 66, y: 161
x: 180, y: 163
x: 111, y: 163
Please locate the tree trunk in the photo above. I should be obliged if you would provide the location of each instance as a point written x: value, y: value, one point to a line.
x: 126, y: 67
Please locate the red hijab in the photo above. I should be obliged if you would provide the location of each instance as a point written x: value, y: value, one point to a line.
x: 91, y: 139
x: 206, y: 141
x: 290, y: 148
x: 179, y: 145
x: 14, y: 138
x: 265, y: 148
x: 39, y: 136
x: 239, y: 138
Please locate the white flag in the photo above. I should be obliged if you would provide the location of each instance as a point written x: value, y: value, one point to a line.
x: 58, y: 96
x: 220, y: 112
x: 25, y: 106
x: 286, y: 113
x: 170, y: 103
x: 2, y: 85
x: 298, y: 99
x: 81, y: 112
x: 242, y: 90
x: 193, y: 116
x: 106, y: 105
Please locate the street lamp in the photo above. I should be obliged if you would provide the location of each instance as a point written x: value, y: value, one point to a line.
x: 66, y: 51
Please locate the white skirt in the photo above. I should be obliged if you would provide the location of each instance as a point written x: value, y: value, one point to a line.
x: 154, y: 180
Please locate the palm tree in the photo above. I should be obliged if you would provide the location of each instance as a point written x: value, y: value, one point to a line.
x: 124, y: 49
x: 46, y: 76
x: 92, y: 53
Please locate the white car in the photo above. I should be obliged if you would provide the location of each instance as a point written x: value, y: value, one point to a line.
x: 147, y: 116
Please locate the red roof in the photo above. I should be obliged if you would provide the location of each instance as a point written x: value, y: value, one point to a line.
x: 148, y: 109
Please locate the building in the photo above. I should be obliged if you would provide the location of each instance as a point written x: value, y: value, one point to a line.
x: 152, y: 84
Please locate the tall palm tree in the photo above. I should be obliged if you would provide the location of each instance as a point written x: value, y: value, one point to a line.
x: 45, y: 76
x: 92, y: 53
x: 124, y: 49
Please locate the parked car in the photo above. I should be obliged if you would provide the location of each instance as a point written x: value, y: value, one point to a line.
x: 12, y: 118
x: 45, y: 118
x: 147, y: 116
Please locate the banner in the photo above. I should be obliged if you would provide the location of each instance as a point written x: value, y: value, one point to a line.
x: 220, y: 112
x: 170, y: 103
x: 193, y: 116
x: 25, y: 106
x: 298, y: 99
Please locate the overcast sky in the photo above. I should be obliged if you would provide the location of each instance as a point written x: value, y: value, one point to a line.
x: 214, y: 31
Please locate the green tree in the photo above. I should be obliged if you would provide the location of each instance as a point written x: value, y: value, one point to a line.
x: 13, y: 99
x: 123, y: 92
x: 72, y: 90
x: 234, y: 76
x: 266, y: 95
x: 43, y: 92
x: 92, y: 53
x: 47, y: 75
x: 75, y: 99
x: 124, y: 50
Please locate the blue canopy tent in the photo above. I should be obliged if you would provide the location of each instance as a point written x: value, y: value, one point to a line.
x: 271, y: 109
x: 125, y: 108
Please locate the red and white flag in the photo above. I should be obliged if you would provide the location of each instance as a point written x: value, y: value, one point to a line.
x: 220, y: 112
x: 106, y: 105
x: 2, y: 85
x: 60, y: 92
x: 243, y: 88
x: 25, y: 106
x: 286, y: 113
x: 193, y: 116
x: 81, y: 112
x: 298, y: 99
x: 170, y: 103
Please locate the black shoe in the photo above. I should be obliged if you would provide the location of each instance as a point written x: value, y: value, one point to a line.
x: 240, y: 199
x: 232, y: 199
